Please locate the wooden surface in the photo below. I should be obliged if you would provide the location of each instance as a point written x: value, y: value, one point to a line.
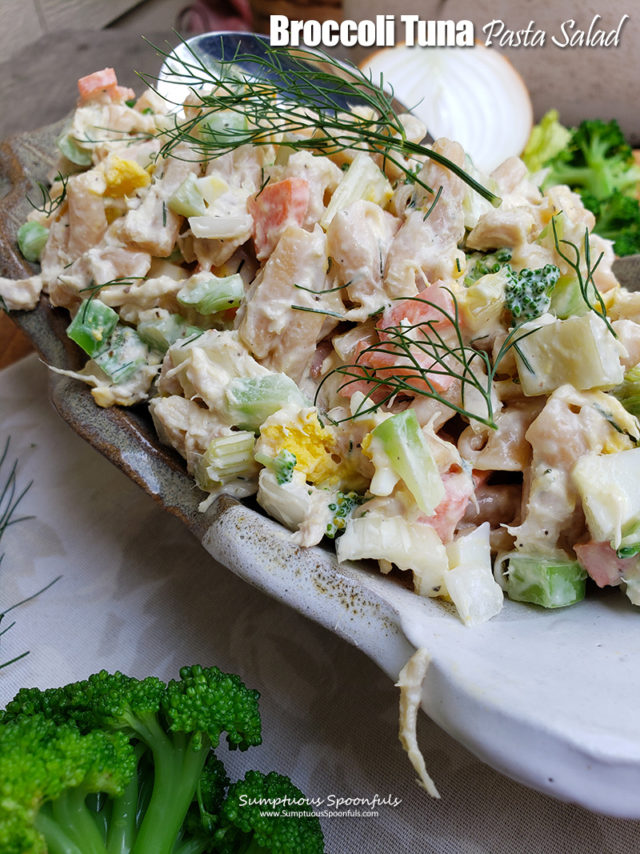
x: 13, y: 343
x: 24, y: 21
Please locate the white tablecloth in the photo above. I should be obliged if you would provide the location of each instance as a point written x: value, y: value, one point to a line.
x: 139, y: 594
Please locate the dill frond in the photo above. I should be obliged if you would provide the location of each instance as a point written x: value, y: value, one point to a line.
x: 300, y: 95
x: 48, y: 205
x: 588, y: 287
x: 11, y: 496
x: 417, y: 354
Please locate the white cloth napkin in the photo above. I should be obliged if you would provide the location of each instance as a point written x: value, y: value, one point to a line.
x: 139, y: 594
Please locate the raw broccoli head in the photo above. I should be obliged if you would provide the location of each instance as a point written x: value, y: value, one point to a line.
x: 203, y: 816
x: 168, y: 729
x: 47, y: 770
x: 547, y: 139
x: 528, y: 292
x: 618, y: 219
x: 203, y: 702
x: 254, y: 818
x: 597, y: 160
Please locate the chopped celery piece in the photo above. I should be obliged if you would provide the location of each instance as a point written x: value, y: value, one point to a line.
x: 249, y: 401
x: 362, y: 180
x: 608, y: 488
x: 567, y: 299
x: 226, y: 459
x: 70, y: 149
x: 410, y: 456
x: 125, y: 355
x: 223, y: 126
x: 341, y: 507
x: 630, y: 542
x: 397, y: 540
x: 549, y: 582
x: 628, y: 393
x: 161, y: 333
x: 211, y: 295
x: 187, y: 199
x: 92, y: 326
x: 32, y: 237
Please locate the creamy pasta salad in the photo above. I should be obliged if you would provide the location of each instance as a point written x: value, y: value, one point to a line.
x: 364, y: 342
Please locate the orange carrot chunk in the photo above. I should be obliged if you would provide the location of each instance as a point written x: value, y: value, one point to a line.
x: 279, y: 204
x: 99, y: 81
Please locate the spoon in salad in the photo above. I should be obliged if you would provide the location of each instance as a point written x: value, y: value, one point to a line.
x: 259, y: 92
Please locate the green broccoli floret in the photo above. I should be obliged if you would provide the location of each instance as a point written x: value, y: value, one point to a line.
x: 47, y: 770
x: 341, y: 508
x: 598, y: 163
x: 283, y: 465
x: 528, y: 292
x: 203, y: 816
x: 255, y: 818
x: 597, y: 160
x: 618, y: 219
x: 628, y: 392
x: 174, y: 726
x: 481, y: 264
x: 547, y: 139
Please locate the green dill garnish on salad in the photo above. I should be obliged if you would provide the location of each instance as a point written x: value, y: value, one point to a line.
x: 302, y: 101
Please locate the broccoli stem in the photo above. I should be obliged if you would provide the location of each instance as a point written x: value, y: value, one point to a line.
x: 254, y: 848
x: 191, y: 846
x: 122, y: 823
x: 178, y: 764
x: 72, y: 812
x: 57, y: 840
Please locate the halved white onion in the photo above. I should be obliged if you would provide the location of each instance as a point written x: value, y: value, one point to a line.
x: 469, y: 94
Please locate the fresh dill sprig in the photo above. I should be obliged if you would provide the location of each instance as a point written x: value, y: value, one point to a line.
x: 417, y: 353
x: 48, y: 204
x: 15, y: 605
x: 325, y: 291
x: 588, y: 287
x: 94, y: 289
x: 289, y: 95
x: 324, y: 311
x: 11, y: 495
x: 431, y: 207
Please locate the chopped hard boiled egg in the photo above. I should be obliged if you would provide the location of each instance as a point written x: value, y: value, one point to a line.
x: 124, y: 177
x: 299, y: 431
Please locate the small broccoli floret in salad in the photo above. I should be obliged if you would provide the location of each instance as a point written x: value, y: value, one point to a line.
x: 528, y: 292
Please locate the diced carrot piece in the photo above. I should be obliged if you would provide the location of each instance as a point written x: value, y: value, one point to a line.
x: 431, y: 307
x: 97, y: 82
x: 458, y: 493
x: 279, y: 204
x: 380, y: 364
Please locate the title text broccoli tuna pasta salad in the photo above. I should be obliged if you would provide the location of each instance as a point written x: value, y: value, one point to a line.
x: 433, y: 367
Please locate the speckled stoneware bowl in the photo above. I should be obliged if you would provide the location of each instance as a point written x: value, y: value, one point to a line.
x: 549, y: 698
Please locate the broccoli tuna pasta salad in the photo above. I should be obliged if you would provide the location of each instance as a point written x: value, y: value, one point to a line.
x: 433, y: 367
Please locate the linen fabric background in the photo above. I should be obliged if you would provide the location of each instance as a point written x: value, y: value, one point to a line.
x: 139, y: 594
